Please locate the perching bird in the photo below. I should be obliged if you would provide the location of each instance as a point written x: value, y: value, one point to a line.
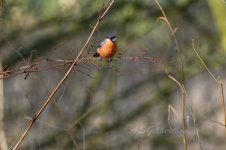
x: 107, y: 48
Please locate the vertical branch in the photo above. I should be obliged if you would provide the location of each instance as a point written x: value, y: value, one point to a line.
x: 3, y: 143
x: 47, y: 101
x: 183, y: 110
x: 223, y: 103
x: 182, y: 74
x: 174, y: 38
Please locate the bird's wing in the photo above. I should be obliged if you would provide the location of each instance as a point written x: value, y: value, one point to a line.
x: 102, y: 43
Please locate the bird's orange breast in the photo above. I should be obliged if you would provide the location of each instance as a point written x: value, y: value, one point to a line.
x: 108, y: 49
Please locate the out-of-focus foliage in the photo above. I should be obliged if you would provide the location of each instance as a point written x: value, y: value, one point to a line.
x: 219, y: 13
x: 125, y: 100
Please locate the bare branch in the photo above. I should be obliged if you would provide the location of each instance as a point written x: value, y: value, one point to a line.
x: 63, y: 79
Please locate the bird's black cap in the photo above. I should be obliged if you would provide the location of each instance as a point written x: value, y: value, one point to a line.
x: 112, y: 38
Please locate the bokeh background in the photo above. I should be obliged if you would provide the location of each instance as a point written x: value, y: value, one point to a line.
x: 126, y: 103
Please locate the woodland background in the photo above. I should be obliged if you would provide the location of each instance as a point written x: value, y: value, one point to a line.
x: 127, y: 103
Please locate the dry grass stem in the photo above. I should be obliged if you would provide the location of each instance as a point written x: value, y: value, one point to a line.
x: 183, y: 109
x: 216, y: 80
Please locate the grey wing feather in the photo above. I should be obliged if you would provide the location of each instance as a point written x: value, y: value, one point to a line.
x: 102, y: 43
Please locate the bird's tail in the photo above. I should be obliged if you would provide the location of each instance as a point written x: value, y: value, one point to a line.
x: 96, y: 55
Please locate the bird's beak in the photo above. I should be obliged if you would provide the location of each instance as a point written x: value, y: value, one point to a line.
x: 114, y: 39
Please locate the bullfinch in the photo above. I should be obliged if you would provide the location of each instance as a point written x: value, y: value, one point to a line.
x: 107, y: 48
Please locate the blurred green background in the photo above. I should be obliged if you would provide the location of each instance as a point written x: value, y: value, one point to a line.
x: 125, y: 101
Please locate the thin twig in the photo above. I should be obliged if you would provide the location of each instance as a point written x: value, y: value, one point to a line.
x: 170, y: 107
x: 216, y: 122
x: 83, y: 137
x: 63, y: 79
x: 199, y: 57
x: 183, y: 109
x: 174, y: 38
x: 61, y: 114
x: 196, y: 128
x: 35, y: 66
x: 217, y: 81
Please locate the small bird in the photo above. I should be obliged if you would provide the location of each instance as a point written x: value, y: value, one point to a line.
x: 107, y: 48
